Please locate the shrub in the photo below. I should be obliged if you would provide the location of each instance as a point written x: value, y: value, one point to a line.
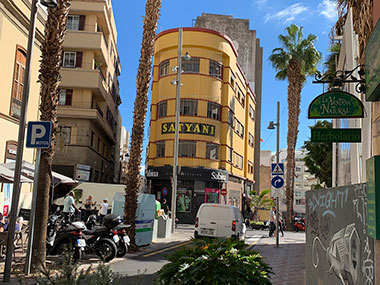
x: 218, y: 261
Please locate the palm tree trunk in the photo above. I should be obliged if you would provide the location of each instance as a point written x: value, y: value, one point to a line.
x: 49, y: 78
x: 152, y: 14
x: 294, y: 99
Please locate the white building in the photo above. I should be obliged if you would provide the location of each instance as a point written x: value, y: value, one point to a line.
x: 304, y: 181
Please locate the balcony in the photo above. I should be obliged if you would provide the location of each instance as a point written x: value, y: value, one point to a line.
x: 84, y: 78
x: 84, y: 110
x: 77, y: 40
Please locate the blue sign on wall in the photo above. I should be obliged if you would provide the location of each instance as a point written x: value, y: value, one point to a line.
x: 38, y: 134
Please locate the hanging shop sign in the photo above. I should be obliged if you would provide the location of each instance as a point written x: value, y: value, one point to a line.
x: 336, y: 135
x: 372, y: 65
x: 373, y: 197
x: 189, y: 128
x: 336, y: 104
x: 187, y: 173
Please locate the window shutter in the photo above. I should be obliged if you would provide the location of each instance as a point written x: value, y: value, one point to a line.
x: 79, y: 59
x: 69, y: 97
x: 82, y: 20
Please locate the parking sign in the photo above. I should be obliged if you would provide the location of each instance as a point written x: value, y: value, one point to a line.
x: 38, y: 134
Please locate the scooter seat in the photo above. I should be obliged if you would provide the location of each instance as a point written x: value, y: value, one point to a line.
x: 95, y: 230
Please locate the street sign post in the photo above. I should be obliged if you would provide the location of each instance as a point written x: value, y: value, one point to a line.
x: 223, y: 192
x: 38, y: 136
x: 165, y: 191
x: 277, y: 182
x: 277, y: 169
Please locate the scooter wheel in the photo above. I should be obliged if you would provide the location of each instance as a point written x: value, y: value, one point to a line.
x: 121, y: 249
x: 77, y: 254
x: 106, y: 249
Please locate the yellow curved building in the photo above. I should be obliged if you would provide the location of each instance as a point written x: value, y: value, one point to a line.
x: 216, y: 122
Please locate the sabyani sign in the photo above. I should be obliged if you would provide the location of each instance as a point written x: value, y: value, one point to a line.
x: 189, y: 128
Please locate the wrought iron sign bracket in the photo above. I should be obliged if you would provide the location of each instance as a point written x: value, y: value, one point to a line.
x: 340, y: 77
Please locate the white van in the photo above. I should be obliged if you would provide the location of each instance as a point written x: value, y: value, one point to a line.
x: 219, y: 220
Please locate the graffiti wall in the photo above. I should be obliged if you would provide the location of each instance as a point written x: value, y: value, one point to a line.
x: 338, y: 250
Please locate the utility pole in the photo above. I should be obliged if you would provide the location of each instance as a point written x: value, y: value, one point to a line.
x: 278, y: 161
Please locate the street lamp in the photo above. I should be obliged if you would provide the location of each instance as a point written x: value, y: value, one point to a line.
x: 178, y: 84
x: 272, y: 126
x: 21, y: 135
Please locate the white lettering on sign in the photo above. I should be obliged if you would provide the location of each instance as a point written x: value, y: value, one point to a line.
x: 218, y: 176
x: 38, y: 132
x: 151, y: 173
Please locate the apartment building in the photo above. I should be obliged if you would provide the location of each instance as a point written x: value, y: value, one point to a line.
x: 217, y: 126
x: 89, y: 121
x: 14, y: 25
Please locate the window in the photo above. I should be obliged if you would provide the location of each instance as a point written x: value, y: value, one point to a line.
x: 212, y: 150
x: 251, y: 112
x: 73, y: 22
x: 238, y: 161
x: 232, y: 81
x: 250, y: 140
x: 230, y: 154
x: 213, y: 110
x: 162, y: 109
x: 72, y: 59
x: 93, y: 138
x: 18, y: 83
x: 239, y: 128
x: 99, y: 145
x: 298, y: 169
x: 191, y: 66
x: 250, y: 167
x: 233, y: 104
x: 164, y: 68
x: 188, y: 107
x: 69, y: 59
x: 243, y: 99
x: 215, y: 69
x: 65, y: 97
x: 160, y: 149
x: 230, y: 118
x: 187, y: 148
x: 66, y: 134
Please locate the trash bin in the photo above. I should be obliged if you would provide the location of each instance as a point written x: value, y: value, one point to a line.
x: 164, y: 227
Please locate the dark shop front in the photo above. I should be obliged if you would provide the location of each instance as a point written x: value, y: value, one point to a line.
x: 195, y: 186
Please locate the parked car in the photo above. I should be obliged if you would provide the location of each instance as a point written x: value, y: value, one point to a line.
x: 218, y: 220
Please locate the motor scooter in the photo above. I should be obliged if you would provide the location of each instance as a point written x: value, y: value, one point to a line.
x: 299, y: 225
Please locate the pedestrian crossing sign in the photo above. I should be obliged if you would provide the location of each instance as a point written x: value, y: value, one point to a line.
x: 277, y: 169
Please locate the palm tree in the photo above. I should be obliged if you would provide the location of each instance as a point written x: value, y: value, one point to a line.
x: 152, y: 14
x: 295, y: 61
x: 363, y: 20
x: 259, y: 201
x: 49, y: 78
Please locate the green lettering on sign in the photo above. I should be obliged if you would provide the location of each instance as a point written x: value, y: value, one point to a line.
x: 373, y: 197
x: 336, y: 135
x: 336, y: 104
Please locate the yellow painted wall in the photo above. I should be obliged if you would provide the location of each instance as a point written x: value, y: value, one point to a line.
x: 203, y: 87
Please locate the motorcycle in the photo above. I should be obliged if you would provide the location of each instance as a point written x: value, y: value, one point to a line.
x: 62, y: 236
x: 299, y: 225
x: 124, y: 241
x: 102, y: 240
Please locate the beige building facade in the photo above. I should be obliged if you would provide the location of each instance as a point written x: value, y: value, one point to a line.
x: 14, y: 25
x: 88, y: 117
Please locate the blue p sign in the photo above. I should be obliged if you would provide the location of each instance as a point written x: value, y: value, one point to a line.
x: 38, y: 134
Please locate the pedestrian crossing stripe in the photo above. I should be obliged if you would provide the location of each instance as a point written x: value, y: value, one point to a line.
x: 277, y: 168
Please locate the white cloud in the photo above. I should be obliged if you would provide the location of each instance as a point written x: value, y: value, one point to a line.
x: 260, y: 3
x: 328, y: 10
x: 288, y: 14
x: 142, y: 169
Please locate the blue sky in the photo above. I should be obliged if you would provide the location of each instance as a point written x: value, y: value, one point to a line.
x: 268, y: 17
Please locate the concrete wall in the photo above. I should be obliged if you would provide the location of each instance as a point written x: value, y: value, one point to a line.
x: 338, y: 250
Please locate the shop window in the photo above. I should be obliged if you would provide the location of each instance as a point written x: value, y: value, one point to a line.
x: 187, y: 148
x: 215, y: 69
x: 213, y: 110
x: 65, y: 97
x: 18, y: 83
x: 191, y: 66
x: 212, y: 151
x: 162, y: 109
x: 164, y: 68
x: 183, y: 201
x: 160, y: 149
x: 188, y: 107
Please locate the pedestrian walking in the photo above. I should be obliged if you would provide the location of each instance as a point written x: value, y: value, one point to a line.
x: 103, y: 209
x: 69, y: 206
x: 272, y: 220
x: 165, y: 207
x: 88, y: 206
x: 281, y: 224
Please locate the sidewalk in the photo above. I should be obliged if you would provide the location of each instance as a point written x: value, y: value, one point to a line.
x: 288, y: 260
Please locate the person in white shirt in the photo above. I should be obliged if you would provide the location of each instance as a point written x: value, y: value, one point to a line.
x: 69, y: 206
x: 272, y: 220
x: 103, y: 209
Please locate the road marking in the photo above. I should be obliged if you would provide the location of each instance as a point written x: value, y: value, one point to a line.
x: 252, y: 244
x: 166, y: 249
